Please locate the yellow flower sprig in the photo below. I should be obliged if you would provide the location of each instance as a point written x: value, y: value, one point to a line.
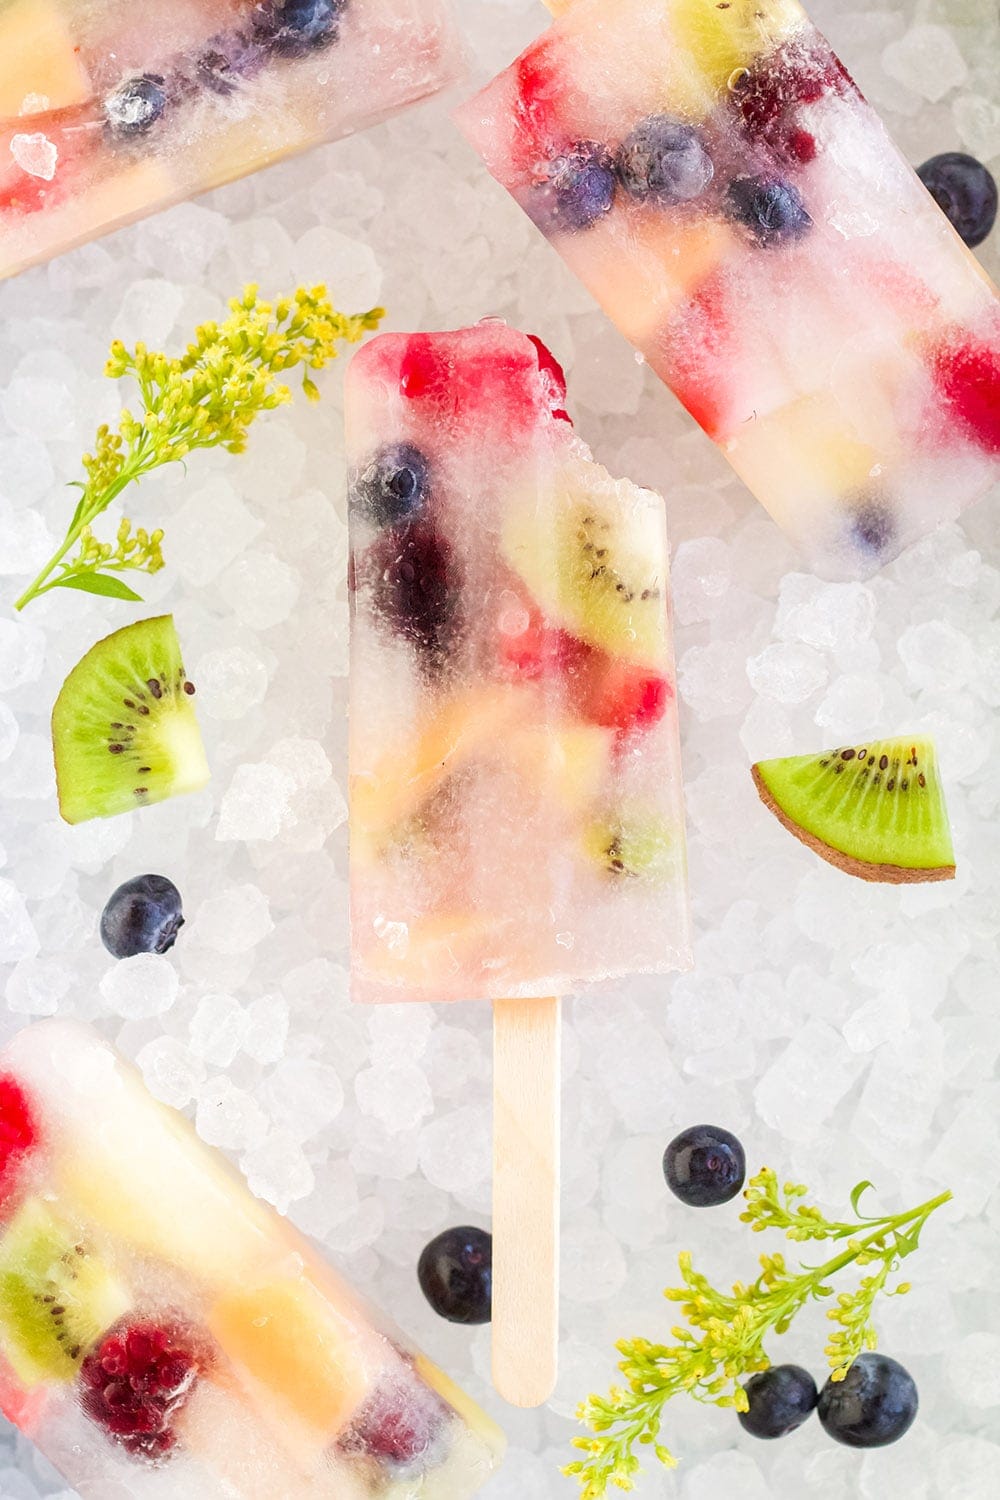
x: 725, y: 1332
x: 208, y: 397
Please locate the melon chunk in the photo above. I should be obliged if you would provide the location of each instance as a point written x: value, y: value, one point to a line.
x: 40, y: 67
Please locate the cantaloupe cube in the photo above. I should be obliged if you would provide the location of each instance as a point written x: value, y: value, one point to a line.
x: 39, y: 60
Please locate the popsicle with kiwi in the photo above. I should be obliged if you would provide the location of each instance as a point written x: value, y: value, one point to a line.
x: 124, y: 729
x: 875, y: 810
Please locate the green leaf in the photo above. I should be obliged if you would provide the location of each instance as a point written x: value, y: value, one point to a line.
x: 99, y: 583
x: 857, y: 1194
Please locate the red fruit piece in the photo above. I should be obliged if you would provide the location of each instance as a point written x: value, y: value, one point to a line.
x: 768, y: 96
x: 18, y: 1134
x: 620, y: 695
x: 702, y: 355
x: 136, y: 1382
x: 540, y: 84
x: 549, y: 365
x: 968, y: 377
x: 402, y: 1424
x: 540, y: 649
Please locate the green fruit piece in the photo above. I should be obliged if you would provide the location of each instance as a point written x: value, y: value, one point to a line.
x: 723, y: 38
x: 56, y: 1297
x: 633, y: 847
x: 124, y: 730
x: 594, y: 555
x: 876, y: 810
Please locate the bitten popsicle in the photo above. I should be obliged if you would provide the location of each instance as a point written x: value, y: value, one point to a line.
x: 163, y: 1333
x: 517, y: 827
x: 110, y: 110
x: 714, y: 176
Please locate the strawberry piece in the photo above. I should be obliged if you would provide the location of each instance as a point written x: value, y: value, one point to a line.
x: 968, y: 377
x: 620, y: 695
x: 18, y: 1134
x: 704, y: 354
x: 541, y: 650
x: 549, y: 365
x: 490, y: 388
x: 540, y: 88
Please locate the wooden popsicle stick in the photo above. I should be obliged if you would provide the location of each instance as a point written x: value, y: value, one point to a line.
x: 526, y: 1194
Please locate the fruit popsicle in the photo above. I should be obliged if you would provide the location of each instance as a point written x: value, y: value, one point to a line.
x: 516, y: 804
x: 714, y: 176
x: 110, y: 110
x: 163, y: 1333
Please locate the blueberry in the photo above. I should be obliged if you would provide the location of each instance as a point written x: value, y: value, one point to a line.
x: 414, y: 587
x: 456, y: 1275
x: 393, y: 485
x: 143, y: 916
x: 227, y: 60
x: 781, y: 1399
x: 772, y: 210
x: 873, y: 526
x: 964, y: 190
x: 704, y: 1166
x: 293, y: 28
x: 136, y: 105
x: 664, y: 160
x: 872, y: 1406
x: 579, y: 188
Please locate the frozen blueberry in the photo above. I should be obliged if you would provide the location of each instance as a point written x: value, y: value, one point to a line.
x: 143, y: 916
x: 579, y: 188
x: 227, y: 60
x: 455, y: 1272
x: 704, y: 1166
x: 136, y: 105
x: 964, y: 190
x: 393, y: 485
x: 773, y: 211
x: 664, y: 160
x: 781, y: 1399
x: 293, y: 28
x: 872, y: 1406
x: 873, y: 526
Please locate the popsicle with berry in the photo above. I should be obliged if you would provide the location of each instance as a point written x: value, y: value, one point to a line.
x: 716, y: 179
x: 162, y: 1332
x: 516, y: 808
x: 110, y: 110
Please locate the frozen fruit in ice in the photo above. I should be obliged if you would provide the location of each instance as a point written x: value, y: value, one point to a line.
x: 772, y: 210
x: 577, y: 189
x: 402, y: 1424
x: 875, y: 810
x: 664, y: 161
x: 967, y: 372
x: 596, y: 567
x: 704, y: 1166
x: 873, y: 1405
x: 39, y: 57
x: 724, y: 37
x: 136, y: 105
x: 632, y: 844
x: 57, y: 1296
x: 781, y: 1398
x: 414, y: 586
x: 964, y: 190
x: 393, y: 485
x: 767, y: 96
x: 553, y: 370
x: 293, y: 28
x: 873, y: 525
x: 455, y: 1272
x: 18, y: 1136
x: 228, y: 59
x: 291, y: 1351
x: 124, y: 730
x: 142, y: 916
x: 136, y: 1382
x: 529, y: 647
x: 620, y: 695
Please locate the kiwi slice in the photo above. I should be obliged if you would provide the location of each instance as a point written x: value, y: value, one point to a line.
x: 724, y: 36
x: 124, y: 730
x: 56, y: 1297
x: 875, y: 810
x: 594, y: 555
x: 632, y: 846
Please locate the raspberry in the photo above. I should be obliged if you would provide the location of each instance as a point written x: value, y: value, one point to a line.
x: 18, y: 1133
x: 136, y: 1381
x: 402, y: 1424
x: 968, y: 377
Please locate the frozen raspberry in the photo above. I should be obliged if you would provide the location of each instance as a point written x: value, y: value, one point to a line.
x: 136, y: 1381
x: 968, y: 377
x: 18, y: 1134
x: 402, y: 1424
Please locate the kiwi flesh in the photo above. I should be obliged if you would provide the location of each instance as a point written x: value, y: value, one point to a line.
x: 875, y: 810
x: 594, y: 555
x: 632, y: 847
x: 124, y: 730
x: 57, y: 1298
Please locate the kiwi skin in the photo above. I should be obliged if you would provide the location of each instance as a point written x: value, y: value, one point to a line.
x: 875, y: 873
